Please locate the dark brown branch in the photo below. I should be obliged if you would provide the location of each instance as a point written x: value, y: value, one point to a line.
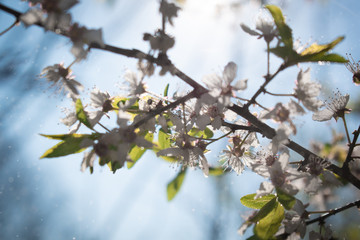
x: 235, y: 127
x: 13, y: 12
x: 351, y: 149
x: 333, y: 212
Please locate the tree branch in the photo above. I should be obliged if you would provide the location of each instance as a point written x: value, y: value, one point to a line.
x: 351, y: 149
x: 333, y: 212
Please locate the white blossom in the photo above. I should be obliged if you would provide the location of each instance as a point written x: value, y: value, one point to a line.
x: 354, y: 68
x: 190, y: 154
x: 101, y: 102
x: 220, y: 87
x: 335, y: 109
x: 71, y: 121
x: 88, y: 160
x: 33, y: 16
x: 239, y: 154
x: 52, y: 15
x: 295, y: 219
x: 168, y: 10
x: 281, y: 175
x: 281, y: 137
x: 265, y: 26
x: 282, y: 113
x: 160, y: 41
x: 81, y: 36
x: 60, y: 79
x: 308, y: 91
x: 136, y: 85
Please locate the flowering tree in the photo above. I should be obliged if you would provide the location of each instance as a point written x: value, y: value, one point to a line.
x: 180, y: 129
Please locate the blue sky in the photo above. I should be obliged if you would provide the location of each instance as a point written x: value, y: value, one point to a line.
x: 131, y: 204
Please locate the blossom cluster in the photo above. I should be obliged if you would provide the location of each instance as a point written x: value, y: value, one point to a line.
x: 180, y: 129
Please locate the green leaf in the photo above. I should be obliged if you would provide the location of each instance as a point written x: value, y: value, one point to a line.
x: 285, y: 53
x: 72, y: 143
x: 317, y: 52
x: 216, y: 171
x: 174, y: 186
x: 166, y: 90
x: 264, y: 211
x: 136, y: 152
x: 285, y: 199
x: 268, y: 226
x: 250, y: 202
x: 93, y: 136
x: 332, y: 57
x: 166, y: 158
x: 253, y: 237
x: 206, y: 134
x: 164, y: 139
x: 285, y: 31
x: 322, y: 57
x: 316, y: 48
x: 81, y: 114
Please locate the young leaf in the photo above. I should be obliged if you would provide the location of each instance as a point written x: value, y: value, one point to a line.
x: 136, y: 152
x: 250, y: 202
x: 264, y: 211
x: 285, y: 31
x: 174, y: 186
x: 166, y: 90
x: 268, y: 226
x: 316, y: 48
x: 164, y: 139
x: 195, y: 132
x: 169, y: 159
x: 70, y: 144
x: 216, y: 171
x: 253, y: 237
x: 208, y: 133
x: 81, y: 114
x: 285, y: 199
x: 93, y: 136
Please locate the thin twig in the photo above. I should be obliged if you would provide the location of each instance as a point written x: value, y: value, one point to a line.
x: 279, y: 94
x: 351, y: 149
x: 12, y: 25
x: 333, y: 212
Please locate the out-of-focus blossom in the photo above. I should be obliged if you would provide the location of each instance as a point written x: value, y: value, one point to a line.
x: 168, y: 10
x: 308, y: 91
x: 265, y: 26
x: 81, y: 36
x: 354, y: 68
x: 60, y: 79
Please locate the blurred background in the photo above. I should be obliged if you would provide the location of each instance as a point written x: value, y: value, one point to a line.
x: 53, y: 199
